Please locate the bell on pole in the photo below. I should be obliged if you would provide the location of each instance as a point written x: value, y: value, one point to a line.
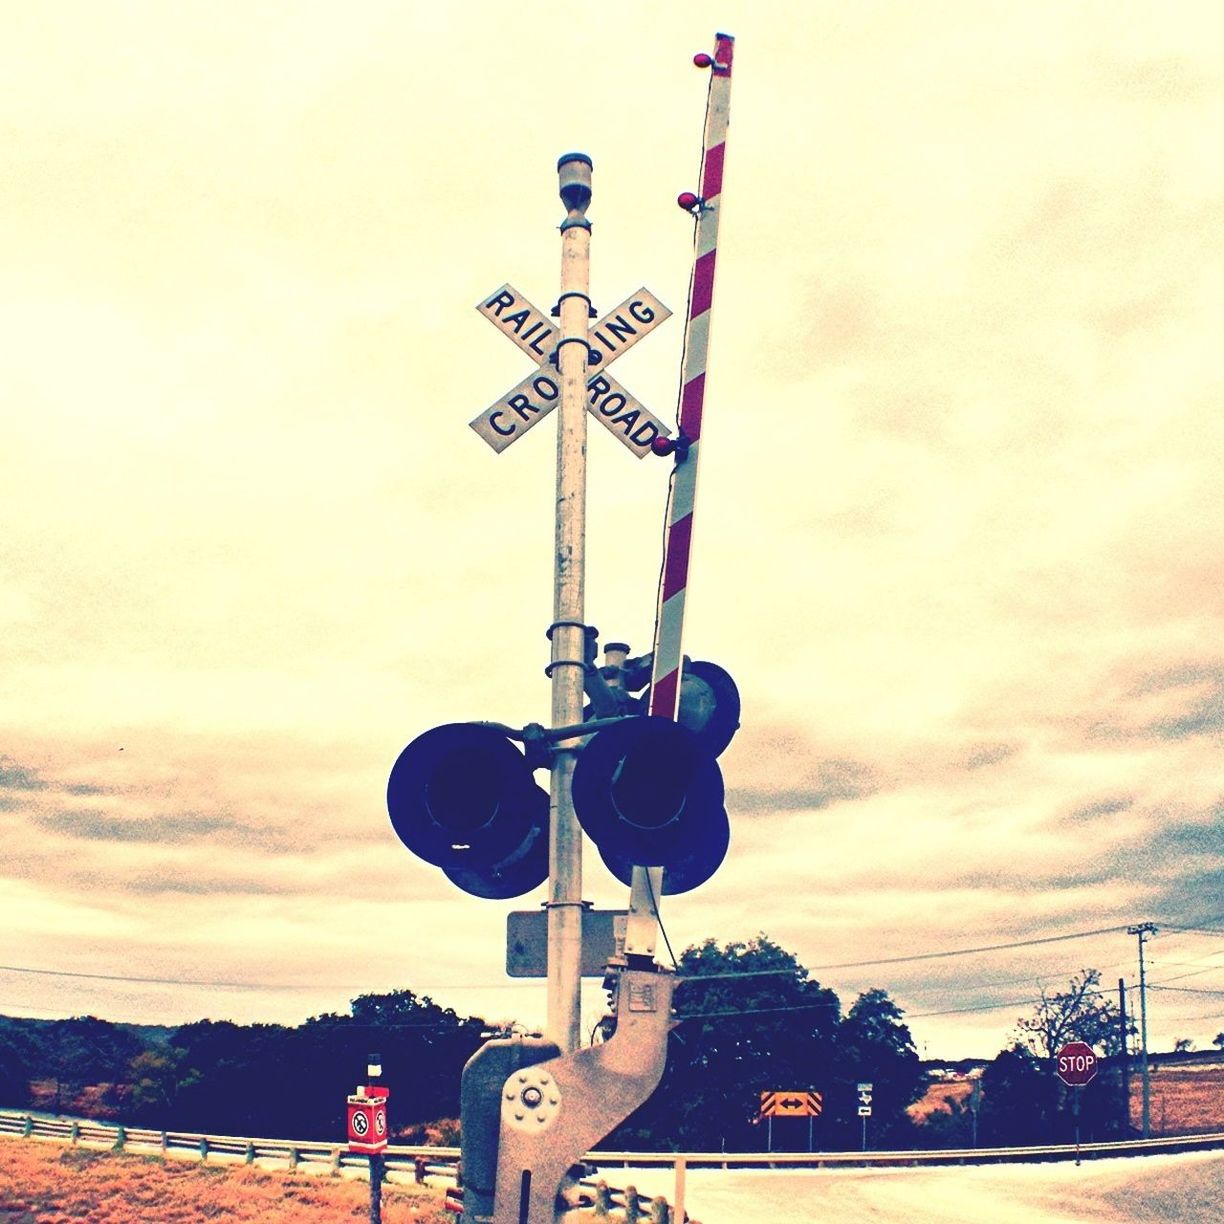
x: 462, y: 797
x: 709, y: 704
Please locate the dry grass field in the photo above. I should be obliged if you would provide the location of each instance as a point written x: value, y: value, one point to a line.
x: 1187, y: 1097
x: 47, y: 1183
x: 937, y: 1096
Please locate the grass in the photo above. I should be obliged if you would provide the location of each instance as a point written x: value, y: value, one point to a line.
x: 46, y: 1183
x: 1187, y: 1098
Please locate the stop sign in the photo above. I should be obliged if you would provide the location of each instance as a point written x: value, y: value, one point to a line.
x: 1077, y: 1064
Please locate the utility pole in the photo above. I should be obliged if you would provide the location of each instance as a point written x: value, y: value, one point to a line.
x: 1143, y: 930
x: 1125, y: 1057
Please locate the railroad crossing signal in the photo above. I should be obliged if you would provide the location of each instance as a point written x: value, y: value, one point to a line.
x: 524, y: 405
x: 802, y: 1104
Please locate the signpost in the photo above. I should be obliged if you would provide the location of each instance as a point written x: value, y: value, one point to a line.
x: 367, y: 1130
x: 572, y: 357
x: 864, y: 1108
x: 1076, y: 1065
x: 799, y: 1104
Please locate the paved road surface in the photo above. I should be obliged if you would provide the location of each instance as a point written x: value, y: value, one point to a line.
x: 1166, y: 1189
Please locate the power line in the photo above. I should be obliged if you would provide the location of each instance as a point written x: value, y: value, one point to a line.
x: 1178, y: 977
x: 1193, y: 930
x: 1036, y: 979
x: 959, y: 1011
x: 895, y: 960
x: 1022, y: 943
x: 1184, y: 989
x: 157, y: 981
x: 266, y: 986
x: 758, y: 1011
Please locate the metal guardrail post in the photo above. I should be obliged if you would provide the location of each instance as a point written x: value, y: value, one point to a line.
x: 603, y: 1199
x: 633, y: 1205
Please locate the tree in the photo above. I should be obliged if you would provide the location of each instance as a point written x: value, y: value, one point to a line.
x: 86, y: 1051
x: 15, y: 1069
x: 266, y: 1079
x: 1044, y: 1108
x: 1183, y: 1045
x: 752, y: 1021
x: 874, y: 1046
x: 1080, y: 1013
x: 953, y: 1127
x: 1018, y: 1099
x: 1218, y: 1040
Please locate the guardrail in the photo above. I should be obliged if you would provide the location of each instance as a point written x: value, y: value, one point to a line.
x: 440, y: 1164
x: 907, y: 1156
x: 431, y: 1165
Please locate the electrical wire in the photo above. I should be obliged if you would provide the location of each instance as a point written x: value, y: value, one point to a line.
x: 654, y: 901
x: 1191, y: 930
x: 282, y: 986
x: 760, y: 1011
x: 156, y: 981
x: 1022, y: 943
x: 960, y: 1011
x: 1184, y: 989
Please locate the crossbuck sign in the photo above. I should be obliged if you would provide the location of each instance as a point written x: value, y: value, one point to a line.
x: 540, y: 392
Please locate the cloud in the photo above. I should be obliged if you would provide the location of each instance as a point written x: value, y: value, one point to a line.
x: 167, y: 829
x: 17, y: 778
x: 820, y: 783
x: 1176, y: 702
x: 1099, y: 810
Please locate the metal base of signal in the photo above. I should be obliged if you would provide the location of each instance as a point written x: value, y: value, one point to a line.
x: 480, y: 1114
x: 554, y: 1112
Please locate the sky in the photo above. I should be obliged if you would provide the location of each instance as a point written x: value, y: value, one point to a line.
x: 958, y: 512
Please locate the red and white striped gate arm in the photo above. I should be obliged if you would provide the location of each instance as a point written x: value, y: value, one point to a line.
x: 669, y: 620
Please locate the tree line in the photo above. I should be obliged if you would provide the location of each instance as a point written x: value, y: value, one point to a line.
x: 262, y: 1080
x: 749, y: 1020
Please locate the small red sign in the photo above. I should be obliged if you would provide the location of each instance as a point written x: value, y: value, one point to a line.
x: 367, y: 1124
x: 1076, y: 1064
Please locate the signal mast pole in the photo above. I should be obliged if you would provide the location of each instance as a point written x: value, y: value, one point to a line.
x: 568, y: 632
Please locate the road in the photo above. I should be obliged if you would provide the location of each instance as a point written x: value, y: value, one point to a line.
x: 1183, y: 1188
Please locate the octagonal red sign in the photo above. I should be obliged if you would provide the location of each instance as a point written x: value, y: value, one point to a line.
x: 1076, y: 1063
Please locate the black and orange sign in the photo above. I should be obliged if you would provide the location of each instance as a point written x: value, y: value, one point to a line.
x: 803, y: 1104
